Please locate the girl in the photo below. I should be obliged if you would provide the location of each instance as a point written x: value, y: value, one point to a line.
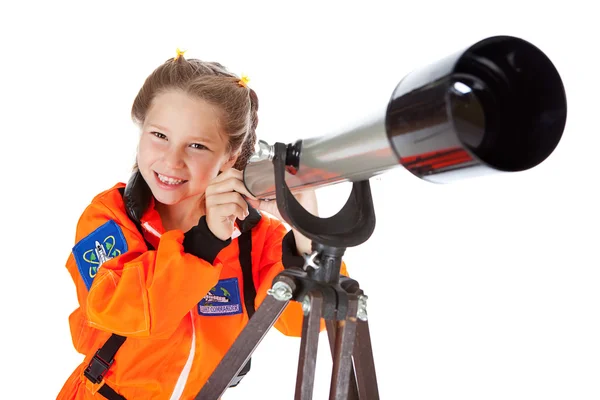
x: 156, y: 261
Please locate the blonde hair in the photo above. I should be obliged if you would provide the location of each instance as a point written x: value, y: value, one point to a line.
x: 211, y: 82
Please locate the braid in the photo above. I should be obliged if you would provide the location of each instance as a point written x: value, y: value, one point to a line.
x: 250, y: 139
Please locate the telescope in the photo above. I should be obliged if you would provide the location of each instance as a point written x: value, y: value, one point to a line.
x: 498, y: 106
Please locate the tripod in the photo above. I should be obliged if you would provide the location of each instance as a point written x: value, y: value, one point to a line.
x: 324, y: 294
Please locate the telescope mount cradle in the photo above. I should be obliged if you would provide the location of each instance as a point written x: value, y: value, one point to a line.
x: 323, y: 293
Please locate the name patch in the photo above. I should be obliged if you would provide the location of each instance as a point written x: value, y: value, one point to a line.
x: 95, y: 249
x: 222, y: 299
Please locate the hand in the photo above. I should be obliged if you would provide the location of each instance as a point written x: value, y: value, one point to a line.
x: 225, y: 203
x: 308, y: 200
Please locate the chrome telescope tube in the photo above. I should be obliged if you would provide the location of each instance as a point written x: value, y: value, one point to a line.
x: 497, y: 106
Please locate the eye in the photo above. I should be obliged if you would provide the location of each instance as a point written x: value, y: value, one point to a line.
x: 199, y: 146
x: 159, y: 135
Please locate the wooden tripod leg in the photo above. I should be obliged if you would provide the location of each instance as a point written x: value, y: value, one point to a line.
x: 242, y: 349
x: 331, y: 333
x: 342, y: 357
x: 307, y: 361
x: 364, y: 363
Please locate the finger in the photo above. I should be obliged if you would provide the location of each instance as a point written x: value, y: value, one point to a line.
x: 227, y: 182
x: 230, y: 173
x: 227, y: 210
x: 229, y: 185
x: 225, y: 198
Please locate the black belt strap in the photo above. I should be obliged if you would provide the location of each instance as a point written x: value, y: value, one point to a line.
x: 101, y: 362
x: 245, y: 257
x: 137, y: 223
x: 245, y: 249
x: 110, y: 393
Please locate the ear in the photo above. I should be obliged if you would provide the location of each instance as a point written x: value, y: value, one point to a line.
x: 230, y: 162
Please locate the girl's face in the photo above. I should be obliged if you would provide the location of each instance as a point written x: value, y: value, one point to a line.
x: 182, y: 147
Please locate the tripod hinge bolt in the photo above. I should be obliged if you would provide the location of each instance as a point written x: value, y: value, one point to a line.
x: 362, y: 307
x: 306, y: 305
x: 281, y: 291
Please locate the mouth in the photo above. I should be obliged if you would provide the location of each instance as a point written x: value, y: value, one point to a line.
x: 169, y: 181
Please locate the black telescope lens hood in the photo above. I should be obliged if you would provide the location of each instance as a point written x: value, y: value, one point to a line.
x: 498, y: 105
x: 522, y: 98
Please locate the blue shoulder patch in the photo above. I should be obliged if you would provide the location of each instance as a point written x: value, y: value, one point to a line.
x: 223, y: 299
x: 101, y: 245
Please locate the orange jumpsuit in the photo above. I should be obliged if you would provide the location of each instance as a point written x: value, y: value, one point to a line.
x: 180, y: 313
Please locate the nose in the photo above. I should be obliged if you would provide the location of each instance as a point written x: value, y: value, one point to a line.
x: 174, y: 158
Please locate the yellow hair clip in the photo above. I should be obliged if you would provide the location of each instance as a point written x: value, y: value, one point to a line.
x: 179, y: 54
x: 244, y: 81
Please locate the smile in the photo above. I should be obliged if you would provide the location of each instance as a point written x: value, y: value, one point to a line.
x: 167, y: 180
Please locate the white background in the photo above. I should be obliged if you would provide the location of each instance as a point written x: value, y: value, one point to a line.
x: 483, y: 289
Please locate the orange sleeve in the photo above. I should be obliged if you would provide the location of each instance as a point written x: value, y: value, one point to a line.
x: 134, y: 292
x: 290, y: 321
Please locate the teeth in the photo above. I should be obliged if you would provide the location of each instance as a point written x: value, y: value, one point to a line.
x: 169, y: 181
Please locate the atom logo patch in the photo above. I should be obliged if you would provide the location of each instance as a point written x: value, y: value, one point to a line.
x: 222, y: 299
x: 95, y: 249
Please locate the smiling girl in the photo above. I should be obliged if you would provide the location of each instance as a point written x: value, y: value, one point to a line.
x: 156, y: 261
